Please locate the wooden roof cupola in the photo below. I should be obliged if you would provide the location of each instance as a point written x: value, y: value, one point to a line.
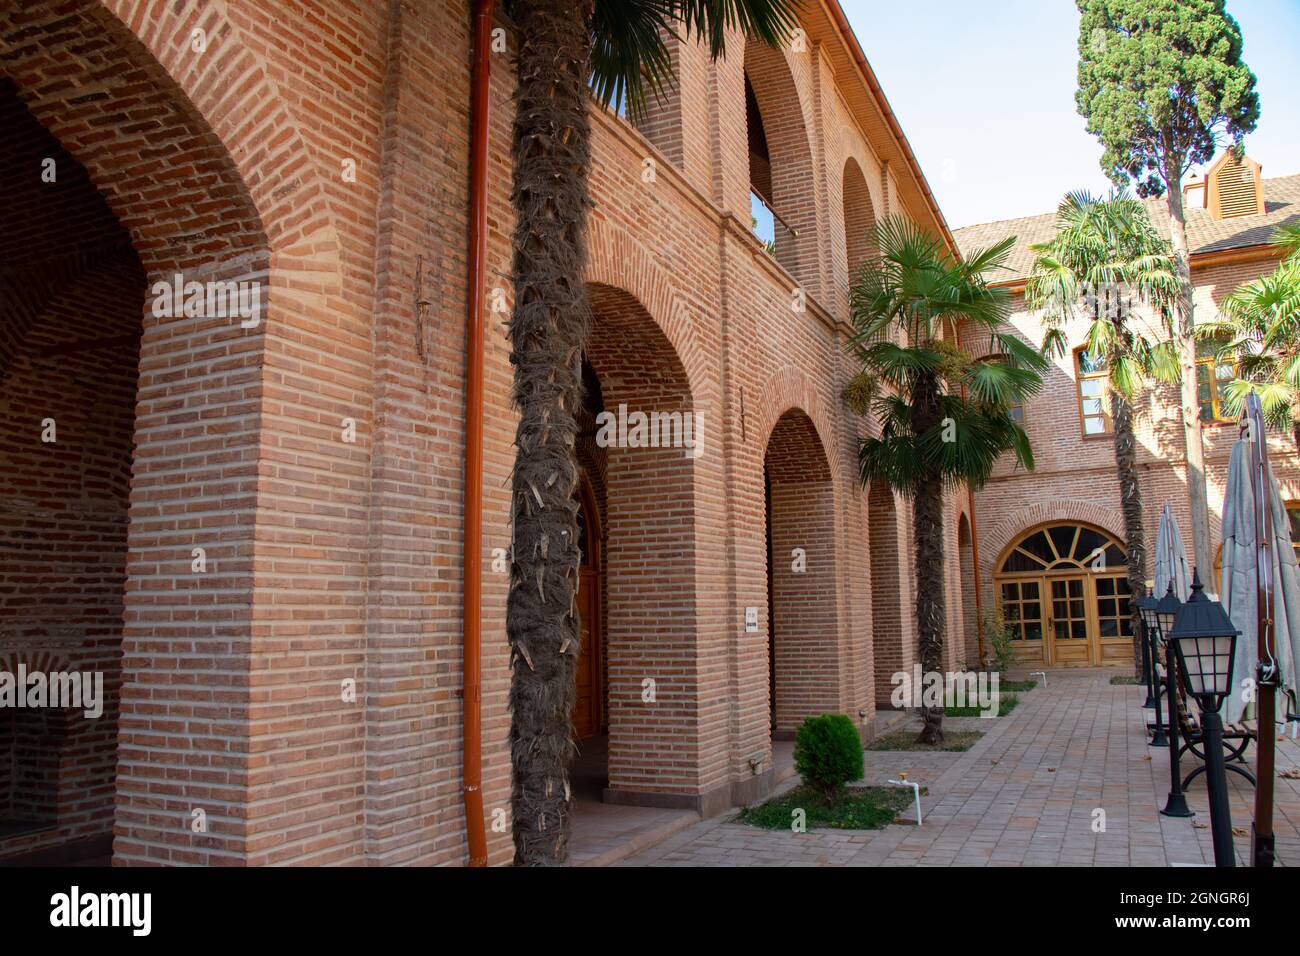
x: 1234, y: 187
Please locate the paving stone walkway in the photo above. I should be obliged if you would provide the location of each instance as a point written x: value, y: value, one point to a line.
x: 1027, y: 793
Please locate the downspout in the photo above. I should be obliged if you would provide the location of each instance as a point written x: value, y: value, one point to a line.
x: 975, y: 567
x: 471, y: 668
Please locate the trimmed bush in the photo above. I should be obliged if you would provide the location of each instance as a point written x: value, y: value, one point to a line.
x: 828, y: 754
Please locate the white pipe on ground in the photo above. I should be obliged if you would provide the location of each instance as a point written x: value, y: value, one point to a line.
x: 916, y: 791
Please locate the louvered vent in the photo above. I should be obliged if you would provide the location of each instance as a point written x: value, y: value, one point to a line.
x: 1236, y: 188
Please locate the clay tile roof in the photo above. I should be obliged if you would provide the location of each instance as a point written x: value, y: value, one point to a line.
x: 1204, y: 234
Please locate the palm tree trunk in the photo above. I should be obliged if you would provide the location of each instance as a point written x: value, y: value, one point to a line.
x: 548, y: 330
x: 927, y: 539
x: 1130, y: 499
x: 1184, y: 335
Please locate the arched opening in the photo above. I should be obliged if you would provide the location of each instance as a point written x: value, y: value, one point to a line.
x: 117, y: 437
x: 640, y: 440
x: 859, y: 219
x: 803, y: 638
x: 891, y: 593
x: 1063, y: 592
x: 71, y: 290
x: 970, y: 622
x: 780, y: 161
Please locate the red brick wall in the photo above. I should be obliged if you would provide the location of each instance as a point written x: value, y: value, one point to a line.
x: 805, y: 628
x: 70, y: 279
x: 330, y: 560
x: 1075, y: 476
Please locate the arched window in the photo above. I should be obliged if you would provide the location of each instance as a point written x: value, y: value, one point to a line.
x: 1064, y: 595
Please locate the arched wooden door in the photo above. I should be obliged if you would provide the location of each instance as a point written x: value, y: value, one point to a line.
x: 587, y: 701
x: 1063, y: 590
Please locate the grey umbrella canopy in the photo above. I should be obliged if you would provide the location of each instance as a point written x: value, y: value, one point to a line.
x: 1239, y: 590
x: 1171, y: 558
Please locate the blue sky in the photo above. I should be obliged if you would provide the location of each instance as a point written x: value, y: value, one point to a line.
x: 985, y: 94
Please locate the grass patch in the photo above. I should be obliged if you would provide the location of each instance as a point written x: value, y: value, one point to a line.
x: 1006, y: 704
x: 861, y: 808
x: 954, y: 741
x: 1016, y: 686
x: 1127, y: 679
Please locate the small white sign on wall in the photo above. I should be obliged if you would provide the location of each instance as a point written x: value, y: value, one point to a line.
x: 751, y: 619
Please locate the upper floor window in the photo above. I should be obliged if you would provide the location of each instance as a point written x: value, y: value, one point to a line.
x: 1212, y: 376
x: 1092, y: 375
x: 783, y: 208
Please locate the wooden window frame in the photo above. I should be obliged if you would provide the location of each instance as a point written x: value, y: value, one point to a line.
x: 1212, y: 363
x: 1079, y: 376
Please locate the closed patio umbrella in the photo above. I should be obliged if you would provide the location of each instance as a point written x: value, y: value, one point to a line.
x: 1171, y: 558
x: 1238, y: 584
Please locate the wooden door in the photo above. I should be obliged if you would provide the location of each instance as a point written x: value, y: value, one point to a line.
x: 586, y: 721
x: 586, y: 703
x: 1068, y: 619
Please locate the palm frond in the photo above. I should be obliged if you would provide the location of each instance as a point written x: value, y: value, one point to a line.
x: 630, y: 57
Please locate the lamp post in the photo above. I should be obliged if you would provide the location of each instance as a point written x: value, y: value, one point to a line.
x: 1148, y: 663
x: 1204, y: 642
x: 1150, y: 628
x: 1166, y: 610
x: 1267, y: 674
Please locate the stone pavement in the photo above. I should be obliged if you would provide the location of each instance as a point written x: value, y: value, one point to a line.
x: 1026, y: 794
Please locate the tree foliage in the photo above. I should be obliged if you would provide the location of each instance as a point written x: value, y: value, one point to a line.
x: 630, y: 58
x: 900, y: 304
x: 944, y: 415
x: 1159, y: 82
x: 1259, y: 329
x: 1106, y: 255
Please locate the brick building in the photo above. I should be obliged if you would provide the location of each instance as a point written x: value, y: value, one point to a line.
x: 252, y: 523
x: 1037, y: 532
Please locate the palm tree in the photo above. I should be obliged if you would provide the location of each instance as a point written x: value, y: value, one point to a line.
x: 1105, y: 254
x: 618, y: 46
x: 944, y: 415
x: 1260, y: 330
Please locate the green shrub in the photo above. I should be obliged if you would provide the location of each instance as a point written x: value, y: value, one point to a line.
x: 998, y: 634
x: 828, y: 754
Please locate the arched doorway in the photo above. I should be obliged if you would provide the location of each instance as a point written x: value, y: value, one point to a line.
x: 803, y: 665
x: 1063, y: 591
x: 892, y: 605
x: 970, y: 623
x: 71, y: 296
x: 588, y: 704
x: 117, y: 183
x: 638, y: 448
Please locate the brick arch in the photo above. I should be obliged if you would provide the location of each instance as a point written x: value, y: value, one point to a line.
x: 857, y: 152
x: 785, y: 116
x: 114, y: 106
x: 650, y: 564
x: 1011, y: 528
x: 795, y: 453
x: 859, y: 216
x: 804, y: 648
x: 198, y: 159
x: 790, y: 388
x: 617, y: 260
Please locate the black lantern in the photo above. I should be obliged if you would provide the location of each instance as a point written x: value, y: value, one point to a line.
x: 1147, y: 612
x: 1166, y: 610
x: 1204, y: 642
x: 1164, y: 613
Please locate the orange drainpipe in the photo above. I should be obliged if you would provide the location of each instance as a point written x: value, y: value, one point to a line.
x: 471, y: 669
x: 975, y: 561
